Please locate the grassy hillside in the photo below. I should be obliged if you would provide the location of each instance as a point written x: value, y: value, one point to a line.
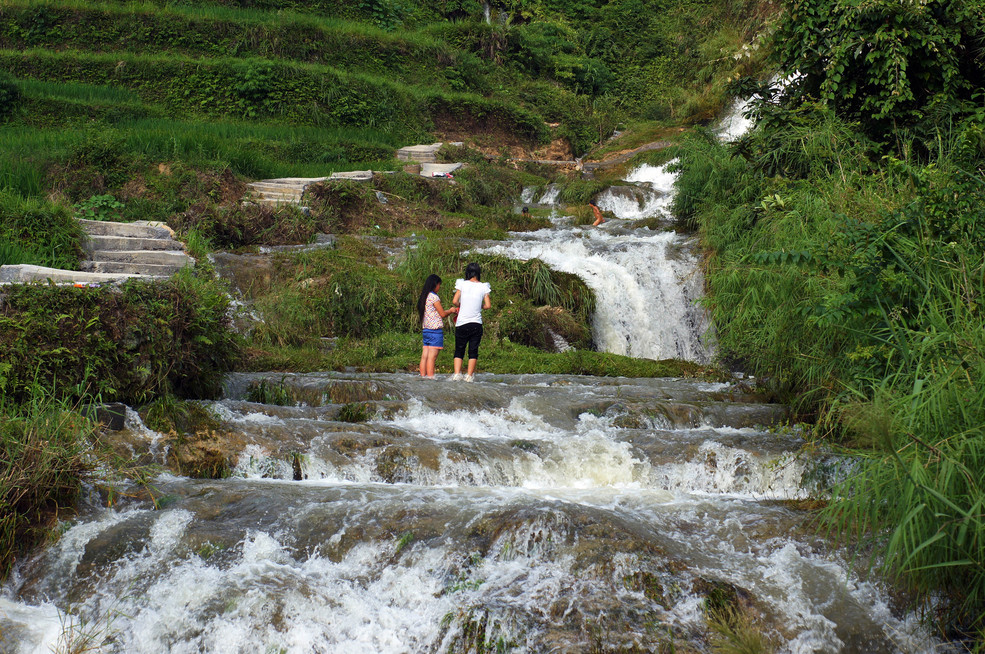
x: 171, y: 105
x: 410, y: 76
x: 169, y: 108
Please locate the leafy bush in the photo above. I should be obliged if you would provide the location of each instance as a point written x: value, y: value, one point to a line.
x: 131, y: 344
x: 240, y: 225
x: 99, y: 207
x: 884, y: 64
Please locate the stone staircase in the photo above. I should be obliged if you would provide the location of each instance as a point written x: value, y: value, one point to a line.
x: 116, y: 251
x: 420, y: 153
x: 289, y: 190
x: 277, y: 192
x: 140, y: 248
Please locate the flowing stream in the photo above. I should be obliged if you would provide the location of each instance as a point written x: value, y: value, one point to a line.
x: 526, y: 513
x: 520, y: 513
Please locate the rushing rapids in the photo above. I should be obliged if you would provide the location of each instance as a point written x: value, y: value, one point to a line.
x: 525, y: 513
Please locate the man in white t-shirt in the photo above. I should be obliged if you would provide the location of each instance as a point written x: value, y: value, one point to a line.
x: 471, y: 296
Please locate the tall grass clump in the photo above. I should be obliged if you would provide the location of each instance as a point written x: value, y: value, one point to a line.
x: 43, y: 464
x: 923, y: 476
x: 853, y: 281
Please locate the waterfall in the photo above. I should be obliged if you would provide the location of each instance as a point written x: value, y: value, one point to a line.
x: 645, y: 285
x: 734, y: 124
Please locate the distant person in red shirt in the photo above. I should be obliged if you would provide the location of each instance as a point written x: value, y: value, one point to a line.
x: 598, y: 214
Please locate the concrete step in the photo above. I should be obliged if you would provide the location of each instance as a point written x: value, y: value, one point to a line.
x: 419, y: 153
x: 436, y: 169
x: 354, y: 175
x: 116, y: 267
x: 158, y: 257
x: 97, y: 243
x: 24, y: 274
x: 140, y: 229
x: 273, y: 202
x: 303, y: 181
x: 267, y: 187
x: 274, y: 195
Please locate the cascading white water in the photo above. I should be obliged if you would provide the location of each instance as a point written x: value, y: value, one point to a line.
x: 645, y: 284
x: 552, y: 505
x: 734, y: 123
x: 656, y: 184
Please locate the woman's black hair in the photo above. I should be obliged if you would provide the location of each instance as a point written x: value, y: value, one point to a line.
x: 429, y: 285
x: 473, y: 270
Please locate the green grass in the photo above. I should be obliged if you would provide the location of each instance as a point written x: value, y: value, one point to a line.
x: 853, y: 282
x: 396, y: 352
x: 298, y: 93
x: 253, y: 150
x: 129, y: 344
x: 212, y: 31
x: 634, y: 136
x: 38, y: 232
x: 924, y: 428
x: 86, y: 93
x: 43, y: 463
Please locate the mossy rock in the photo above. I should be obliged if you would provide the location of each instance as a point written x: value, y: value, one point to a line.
x: 204, y: 455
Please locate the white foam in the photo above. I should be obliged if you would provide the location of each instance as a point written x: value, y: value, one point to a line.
x: 70, y: 548
x: 720, y: 469
x: 645, y: 288
x: 551, y: 195
x: 38, y: 628
x: 225, y: 414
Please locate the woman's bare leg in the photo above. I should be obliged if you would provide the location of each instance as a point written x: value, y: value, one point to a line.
x: 432, y: 356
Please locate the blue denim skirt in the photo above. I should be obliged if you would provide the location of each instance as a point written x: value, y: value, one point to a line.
x: 434, y: 338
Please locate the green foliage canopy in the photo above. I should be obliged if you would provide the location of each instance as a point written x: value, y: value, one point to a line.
x: 884, y: 63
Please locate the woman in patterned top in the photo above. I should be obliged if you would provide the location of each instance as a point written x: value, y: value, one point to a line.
x: 431, y: 313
